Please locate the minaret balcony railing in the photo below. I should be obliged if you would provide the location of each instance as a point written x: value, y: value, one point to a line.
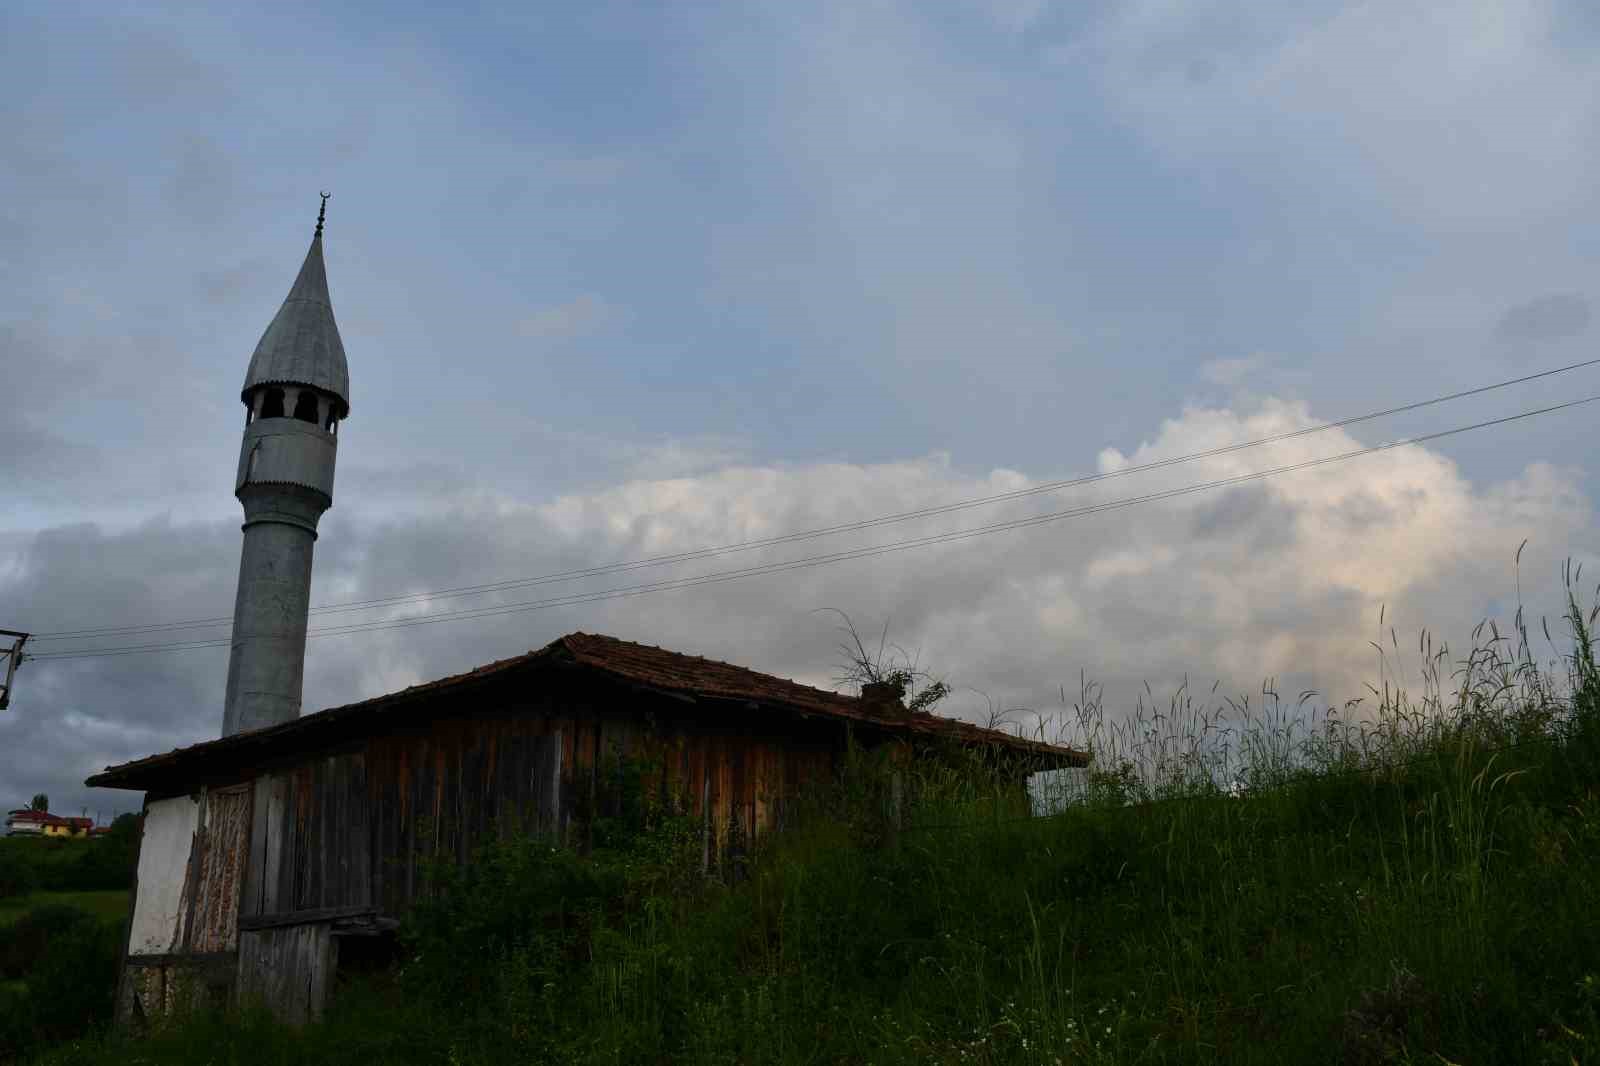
x: 287, y: 451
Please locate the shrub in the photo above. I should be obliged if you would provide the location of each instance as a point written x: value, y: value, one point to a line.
x: 25, y: 942
x: 526, y: 899
x: 16, y: 1020
x: 57, y: 976
x: 105, y: 863
x: 73, y: 985
x: 17, y: 880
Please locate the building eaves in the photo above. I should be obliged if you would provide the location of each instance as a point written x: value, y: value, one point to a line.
x: 683, y: 677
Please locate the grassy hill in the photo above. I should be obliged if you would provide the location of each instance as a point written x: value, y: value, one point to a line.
x: 1417, y: 885
x: 108, y: 904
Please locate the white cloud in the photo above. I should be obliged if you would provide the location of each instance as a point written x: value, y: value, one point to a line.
x: 1282, y: 577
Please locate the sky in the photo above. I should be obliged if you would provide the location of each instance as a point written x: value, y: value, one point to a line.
x: 619, y: 280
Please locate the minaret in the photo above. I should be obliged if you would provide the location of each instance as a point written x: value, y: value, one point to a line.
x: 295, y: 395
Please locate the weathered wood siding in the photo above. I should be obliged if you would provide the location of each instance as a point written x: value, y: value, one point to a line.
x: 310, y: 838
x: 288, y: 969
x: 351, y: 830
x: 248, y: 888
x: 216, y: 870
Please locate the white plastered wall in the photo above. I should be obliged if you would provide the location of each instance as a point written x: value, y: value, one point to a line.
x: 1053, y: 791
x: 169, y: 829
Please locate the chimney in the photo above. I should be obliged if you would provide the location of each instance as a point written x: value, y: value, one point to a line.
x: 884, y: 697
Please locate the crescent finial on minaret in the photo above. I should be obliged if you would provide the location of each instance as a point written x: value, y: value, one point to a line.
x: 322, y: 214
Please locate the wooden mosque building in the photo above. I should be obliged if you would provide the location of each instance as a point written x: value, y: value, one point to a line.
x: 264, y: 850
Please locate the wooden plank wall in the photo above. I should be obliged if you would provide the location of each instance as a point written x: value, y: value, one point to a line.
x: 310, y: 838
x: 436, y: 793
x: 353, y: 829
x: 290, y: 969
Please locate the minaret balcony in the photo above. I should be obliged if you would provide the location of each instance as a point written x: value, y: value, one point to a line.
x: 287, y: 451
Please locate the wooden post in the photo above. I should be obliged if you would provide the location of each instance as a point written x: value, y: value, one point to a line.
x: 705, y: 822
x: 594, y: 781
x: 897, y: 783
x: 553, y: 788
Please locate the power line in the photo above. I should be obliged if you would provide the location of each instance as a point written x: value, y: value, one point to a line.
x: 810, y: 534
x: 808, y: 562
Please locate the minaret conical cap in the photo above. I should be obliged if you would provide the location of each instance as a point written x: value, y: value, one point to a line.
x: 301, y: 345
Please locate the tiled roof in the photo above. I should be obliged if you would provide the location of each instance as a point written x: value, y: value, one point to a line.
x: 45, y: 818
x: 640, y: 664
x: 696, y: 676
x: 708, y: 678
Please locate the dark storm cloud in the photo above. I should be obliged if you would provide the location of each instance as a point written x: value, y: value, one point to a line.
x: 43, y: 461
x: 1549, y: 318
x: 71, y: 717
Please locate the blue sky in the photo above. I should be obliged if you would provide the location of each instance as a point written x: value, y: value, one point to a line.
x: 690, y: 271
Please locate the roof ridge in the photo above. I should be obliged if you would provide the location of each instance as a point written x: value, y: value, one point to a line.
x: 644, y: 666
x: 717, y: 662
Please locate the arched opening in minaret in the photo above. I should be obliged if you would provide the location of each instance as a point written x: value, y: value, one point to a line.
x: 305, y: 408
x: 272, y: 405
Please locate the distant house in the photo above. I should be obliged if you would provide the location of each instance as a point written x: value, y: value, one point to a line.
x: 70, y: 827
x: 25, y: 823
x: 42, y: 823
x: 263, y: 850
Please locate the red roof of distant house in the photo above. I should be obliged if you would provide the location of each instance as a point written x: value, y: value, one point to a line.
x: 46, y: 818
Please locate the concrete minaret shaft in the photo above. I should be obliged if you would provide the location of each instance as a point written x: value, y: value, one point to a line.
x: 296, y: 393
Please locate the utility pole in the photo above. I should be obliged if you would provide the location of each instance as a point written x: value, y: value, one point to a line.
x: 13, y: 658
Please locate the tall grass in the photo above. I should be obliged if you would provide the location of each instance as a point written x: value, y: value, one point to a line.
x: 1414, y: 878
x: 1497, y: 696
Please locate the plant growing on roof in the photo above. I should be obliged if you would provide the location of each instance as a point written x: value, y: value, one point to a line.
x: 890, y: 665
